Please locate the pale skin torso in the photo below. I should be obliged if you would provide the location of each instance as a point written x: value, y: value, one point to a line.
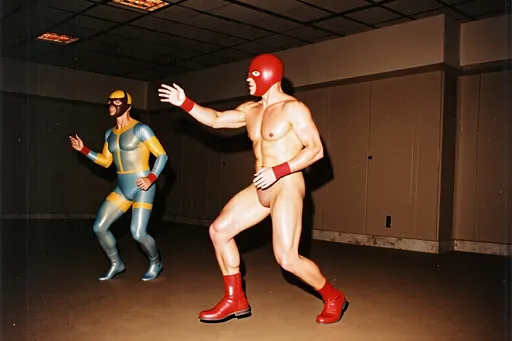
x: 271, y: 133
x: 282, y: 130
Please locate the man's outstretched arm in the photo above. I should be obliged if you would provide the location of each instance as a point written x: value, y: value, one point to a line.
x: 207, y: 116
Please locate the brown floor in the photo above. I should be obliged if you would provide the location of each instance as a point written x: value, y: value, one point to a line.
x: 50, y: 291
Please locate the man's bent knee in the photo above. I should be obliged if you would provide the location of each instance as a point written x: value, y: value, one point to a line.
x: 139, y: 235
x: 287, y: 261
x: 100, y: 226
x: 219, y: 231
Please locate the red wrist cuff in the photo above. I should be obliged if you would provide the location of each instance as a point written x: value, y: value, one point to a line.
x: 187, y: 105
x: 152, y: 177
x: 85, y: 150
x: 281, y: 170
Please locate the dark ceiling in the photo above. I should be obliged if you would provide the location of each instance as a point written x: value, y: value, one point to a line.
x: 197, y: 34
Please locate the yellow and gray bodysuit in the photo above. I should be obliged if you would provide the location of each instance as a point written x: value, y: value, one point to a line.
x: 129, y: 148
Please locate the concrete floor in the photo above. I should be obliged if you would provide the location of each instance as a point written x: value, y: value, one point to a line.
x: 50, y: 291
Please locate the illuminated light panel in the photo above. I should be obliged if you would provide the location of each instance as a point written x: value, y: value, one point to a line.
x: 146, y: 5
x: 57, y: 38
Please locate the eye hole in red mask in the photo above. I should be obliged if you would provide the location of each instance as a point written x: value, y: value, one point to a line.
x: 267, y: 70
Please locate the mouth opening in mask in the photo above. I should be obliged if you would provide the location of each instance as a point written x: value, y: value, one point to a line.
x: 120, y: 104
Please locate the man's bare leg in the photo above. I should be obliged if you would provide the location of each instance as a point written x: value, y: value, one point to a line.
x: 287, y: 226
x: 240, y: 213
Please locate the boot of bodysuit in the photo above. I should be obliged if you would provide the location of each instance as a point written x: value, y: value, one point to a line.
x: 116, y: 267
x: 155, y: 267
x: 234, y: 302
x: 334, y: 304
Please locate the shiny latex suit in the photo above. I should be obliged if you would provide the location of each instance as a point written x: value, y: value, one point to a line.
x: 129, y: 148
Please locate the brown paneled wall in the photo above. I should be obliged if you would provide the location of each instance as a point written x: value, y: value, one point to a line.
x: 206, y: 167
x: 41, y: 173
x: 390, y: 145
x: 390, y: 167
x: 482, y: 188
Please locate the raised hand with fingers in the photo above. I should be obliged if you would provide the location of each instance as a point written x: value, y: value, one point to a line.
x: 76, y: 142
x: 172, y: 94
x: 176, y: 96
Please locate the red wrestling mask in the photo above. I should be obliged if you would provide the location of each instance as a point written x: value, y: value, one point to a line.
x: 121, y: 101
x: 266, y: 70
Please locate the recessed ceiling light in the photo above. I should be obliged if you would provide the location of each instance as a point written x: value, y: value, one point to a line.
x: 146, y: 5
x: 57, y: 38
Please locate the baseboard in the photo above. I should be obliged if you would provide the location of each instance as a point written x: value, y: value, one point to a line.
x: 417, y: 245
x: 482, y: 247
x: 407, y: 244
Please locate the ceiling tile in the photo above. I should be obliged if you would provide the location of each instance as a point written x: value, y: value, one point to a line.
x: 92, y: 23
x: 137, y: 32
x: 211, y: 60
x: 176, y: 13
x: 191, y: 45
x: 228, y: 27
x: 392, y: 22
x: 290, y: 8
x: 143, y: 74
x: 233, y: 54
x: 191, y: 64
x: 455, y: 2
x: 338, y: 6
x: 308, y: 33
x: 250, y: 16
x: 74, y: 31
x: 111, y: 38
x: 169, y: 70
x: 409, y: 7
x: 229, y: 41
x: 93, y: 45
x: 340, y: 25
x: 280, y: 41
x: 373, y: 15
x: 356, y: 30
x: 43, y: 18
x: 479, y: 8
x: 204, y: 5
x: 112, y: 13
x: 174, y: 53
x: 176, y: 28
x: 256, y: 48
x: 73, y: 6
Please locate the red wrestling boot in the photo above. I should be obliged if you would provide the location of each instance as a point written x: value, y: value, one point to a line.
x: 335, y: 302
x: 234, y: 302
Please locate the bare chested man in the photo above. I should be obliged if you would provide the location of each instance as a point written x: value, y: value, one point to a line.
x: 285, y: 141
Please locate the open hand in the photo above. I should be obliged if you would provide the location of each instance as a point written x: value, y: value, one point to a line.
x: 172, y: 94
x: 76, y: 143
x: 143, y: 183
x: 264, y: 178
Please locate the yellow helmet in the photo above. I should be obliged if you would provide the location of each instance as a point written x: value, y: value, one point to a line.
x: 119, y: 94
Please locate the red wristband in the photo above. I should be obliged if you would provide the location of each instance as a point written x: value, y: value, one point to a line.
x: 187, y: 105
x: 85, y: 150
x: 152, y: 177
x: 281, y: 170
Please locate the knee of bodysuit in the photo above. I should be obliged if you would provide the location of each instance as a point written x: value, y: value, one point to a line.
x: 100, y: 227
x: 140, y: 219
x: 108, y: 213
